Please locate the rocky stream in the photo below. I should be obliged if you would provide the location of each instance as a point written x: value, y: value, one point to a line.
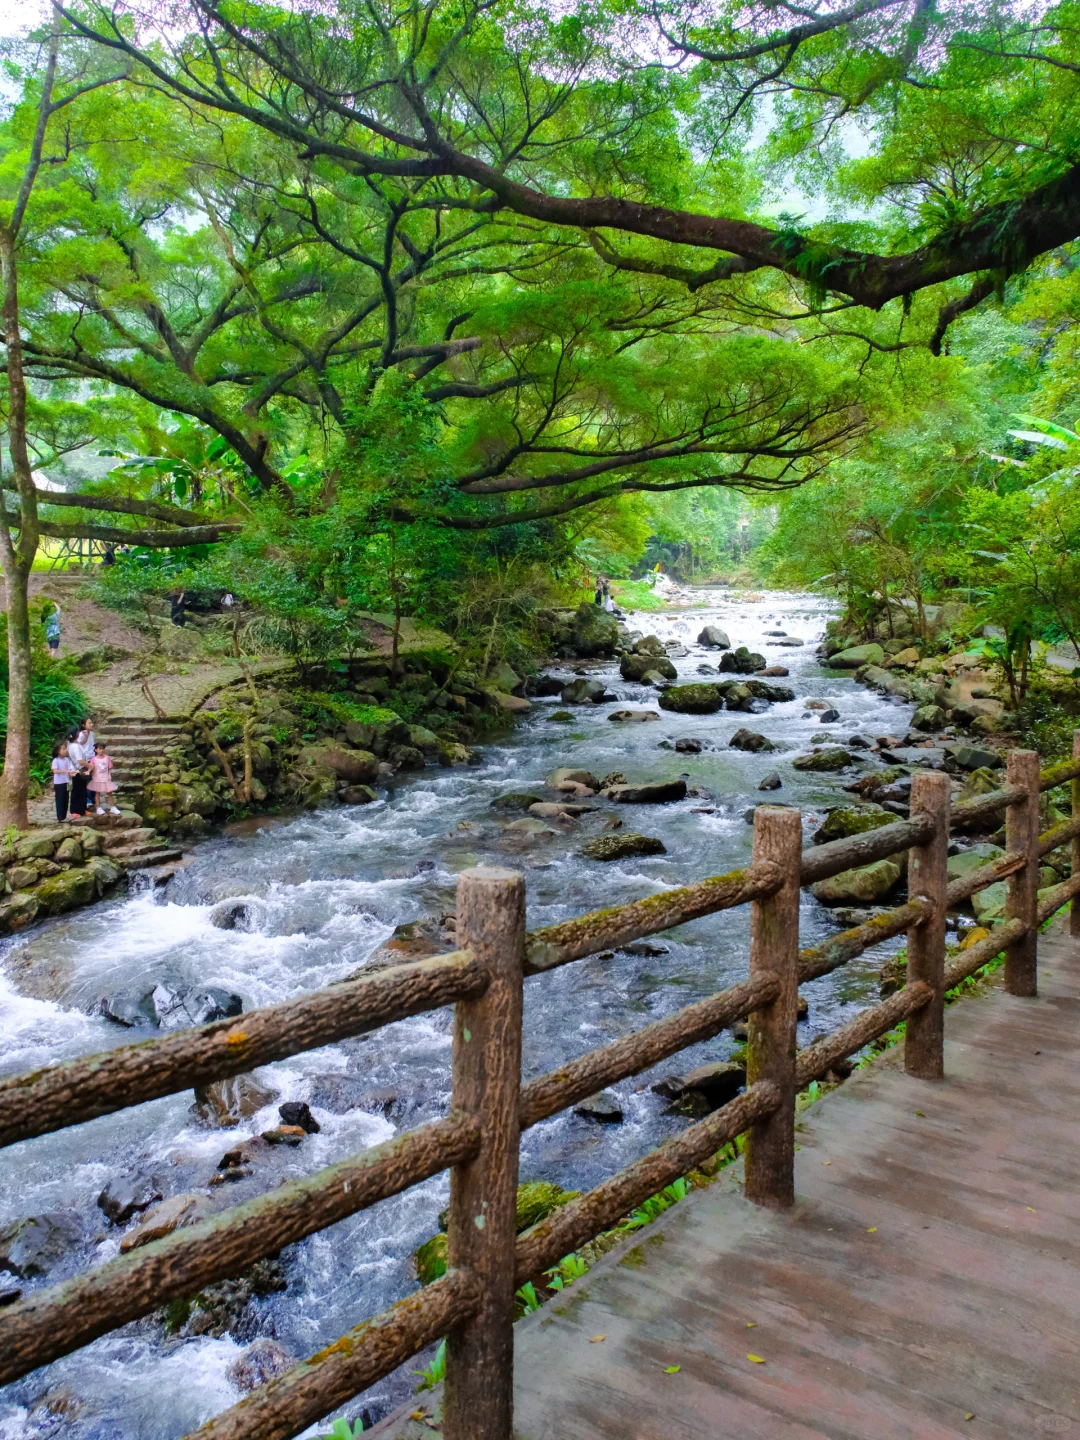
x: 278, y: 907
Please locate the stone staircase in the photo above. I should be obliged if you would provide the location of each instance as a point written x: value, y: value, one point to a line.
x: 131, y: 743
x: 130, y: 843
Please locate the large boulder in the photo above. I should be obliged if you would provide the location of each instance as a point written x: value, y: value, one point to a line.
x: 826, y: 760
x: 106, y: 872
x: 887, y: 683
x: 989, y: 904
x: 622, y: 847
x: 355, y: 767
x: 864, y: 885
x: 584, y: 691
x: 974, y: 757
x: 750, y: 740
x: 693, y: 699
x: 857, y: 656
x: 705, y: 1088
x: 974, y: 858
x: 655, y: 794
x: 378, y: 732
x: 564, y: 776
x: 593, y: 632
x: 741, y: 662
x: 67, y: 891
x: 848, y: 820
x: 928, y: 717
x: 636, y: 667
x: 32, y: 1246
x: 633, y: 717
x: 604, y: 1109
x: 226, y: 1102
x: 162, y: 1219
x: 762, y: 690
x: 715, y: 638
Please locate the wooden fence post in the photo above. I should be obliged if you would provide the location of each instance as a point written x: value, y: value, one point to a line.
x: 774, y: 950
x: 479, y: 1391
x: 928, y: 877
x: 1022, y: 903
x: 1074, y: 909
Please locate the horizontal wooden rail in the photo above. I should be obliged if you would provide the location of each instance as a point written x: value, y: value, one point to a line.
x: 985, y: 807
x: 608, y: 929
x: 288, y: 1405
x: 967, y: 885
x: 849, y: 944
x: 1059, y: 774
x: 550, y: 1093
x: 583, y: 1219
x: 823, y: 861
x: 1058, y: 835
x: 1057, y: 896
x: 53, y: 1322
x: 818, y: 1059
x: 80, y: 1090
x: 977, y: 955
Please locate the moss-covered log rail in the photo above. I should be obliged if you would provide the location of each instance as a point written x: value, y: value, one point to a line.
x: 479, y: 1140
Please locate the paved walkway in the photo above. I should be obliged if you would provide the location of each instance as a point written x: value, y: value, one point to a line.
x: 925, y: 1285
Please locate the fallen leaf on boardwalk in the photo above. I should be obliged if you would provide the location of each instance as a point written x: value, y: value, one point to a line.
x: 751, y: 1324
x: 672, y: 1369
x: 970, y: 1415
x: 826, y: 1162
x: 872, y: 1230
x: 756, y: 1359
x: 595, y: 1339
x: 1033, y: 1211
x: 920, y: 1114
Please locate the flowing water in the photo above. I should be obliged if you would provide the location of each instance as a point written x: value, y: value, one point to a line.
x: 325, y: 890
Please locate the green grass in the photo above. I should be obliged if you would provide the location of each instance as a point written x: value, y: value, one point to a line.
x: 636, y: 595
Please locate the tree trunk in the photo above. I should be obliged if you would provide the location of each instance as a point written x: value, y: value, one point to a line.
x: 15, y: 781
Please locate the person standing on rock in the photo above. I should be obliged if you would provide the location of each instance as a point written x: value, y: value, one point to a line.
x: 52, y: 630
x: 80, y: 774
x: 62, y: 771
x: 101, y: 783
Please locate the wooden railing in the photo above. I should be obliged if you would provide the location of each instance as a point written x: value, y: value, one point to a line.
x: 473, y: 1303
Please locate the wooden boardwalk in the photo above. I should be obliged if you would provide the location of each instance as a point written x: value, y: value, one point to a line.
x: 925, y: 1285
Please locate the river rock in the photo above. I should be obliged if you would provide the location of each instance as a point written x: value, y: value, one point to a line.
x: 831, y: 758
x: 771, y: 781
x: 35, y: 847
x: 66, y: 891
x: 776, y: 671
x: 515, y: 800
x: 564, y: 776
x: 603, y: 1108
x: 32, y: 1246
x: 593, y: 632
x: 285, y: 1135
x: 71, y: 850
x: 761, y: 690
x: 106, y: 872
x: 226, y: 1102
x: 928, y: 717
x: 657, y: 793
x: 585, y: 692
x: 857, y: 656
x: 688, y: 745
x: 929, y: 757
x: 750, y: 740
x: 21, y: 877
x: 636, y: 667
x: 406, y: 757
x: 633, y: 717
x: 431, y: 1259
x: 989, y: 904
x: 974, y: 858
x: 649, y: 645
x: 264, y: 1360
x: 705, y: 1088
x: 559, y: 809
x: 125, y: 1195
x: 542, y: 686
x: 502, y: 701
x: 622, y: 847
x: 829, y: 717
x: 974, y: 757
x: 715, y: 638
x: 179, y: 1009
x: 355, y: 767
x: 741, y: 662
x: 848, y: 820
x: 297, y: 1114
x: 357, y: 795
x: 862, y: 886
x: 886, y: 683
x: 693, y: 699
x: 338, y: 1093
x: 231, y: 915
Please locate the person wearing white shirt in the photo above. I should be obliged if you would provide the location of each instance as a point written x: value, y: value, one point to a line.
x: 77, y: 756
x: 86, y: 738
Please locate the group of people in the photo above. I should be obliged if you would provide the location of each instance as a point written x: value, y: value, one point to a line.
x: 603, y: 595
x: 81, y: 767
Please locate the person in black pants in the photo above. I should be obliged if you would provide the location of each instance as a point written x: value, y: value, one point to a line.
x: 61, y: 773
x: 80, y: 773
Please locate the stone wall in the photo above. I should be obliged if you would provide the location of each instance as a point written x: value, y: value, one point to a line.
x: 50, y: 870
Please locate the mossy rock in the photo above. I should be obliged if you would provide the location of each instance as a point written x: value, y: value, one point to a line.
x: 863, y: 885
x: 693, y: 699
x: 66, y: 891
x: 431, y: 1259
x: 516, y: 800
x: 852, y: 820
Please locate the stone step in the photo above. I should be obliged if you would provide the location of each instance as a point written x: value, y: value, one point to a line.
x: 123, y: 821
x: 147, y: 847
x: 147, y: 861
x: 132, y: 835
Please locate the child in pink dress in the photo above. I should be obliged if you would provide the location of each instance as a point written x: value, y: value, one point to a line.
x: 101, y: 782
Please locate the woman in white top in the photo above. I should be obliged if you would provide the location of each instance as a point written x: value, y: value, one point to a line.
x: 62, y: 771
